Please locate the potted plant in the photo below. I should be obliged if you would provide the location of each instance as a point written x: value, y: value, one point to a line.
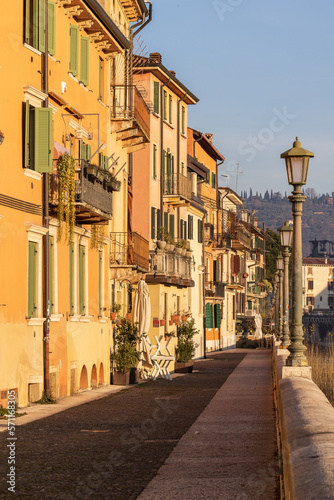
x: 162, y: 238
x: 115, y: 309
x: 126, y: 355
x: 162, y: 322
x: 186, y: 346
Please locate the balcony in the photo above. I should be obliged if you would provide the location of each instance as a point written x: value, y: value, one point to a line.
x: 130, y: 117
x: 93, y: 193
x: 170, y: 267
x: 330, y: 286
x: 214, y: 289
x: 129, y: 250
x: 228, y: 222
x: 176, y: 189
x: 241, y: 238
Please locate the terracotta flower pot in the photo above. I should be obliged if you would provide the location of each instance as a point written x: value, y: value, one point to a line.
x: 184, y: 318
x: 162, y: 322
x: 171, y: 322
x: 128, y: 316
x: 112, y: 316
x: 121, y: 378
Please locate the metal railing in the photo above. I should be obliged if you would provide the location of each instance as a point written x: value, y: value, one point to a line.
x: 128, y: 249
x: 228, y: 222
x: 177, y: 184
x: 89, y: 189
x: 214, y: 289
x: 128, y: 104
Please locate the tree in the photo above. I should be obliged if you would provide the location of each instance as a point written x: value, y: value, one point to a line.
x: 272, y: 251
x: 266, y: 195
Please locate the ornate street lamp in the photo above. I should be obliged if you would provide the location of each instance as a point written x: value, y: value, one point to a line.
x: 279, y: 263
x: 276, y: 285
x: 286, y: 242
x: 297, y: 160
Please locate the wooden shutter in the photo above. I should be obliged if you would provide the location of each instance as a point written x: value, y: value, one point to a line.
x: 200, y: 230
x: 190, y: 227
x: 101, y: 160
x: 183, y: 120
x: 32, y: 279
x: 51, y: 274
x: 156, y: 98
x: 100, y: 77
x: 52, y: 28
x: 166, y: 221
x: 152, y: 223
x: 82, y: 280
x: 185, y: 232
x: 41, y: 26
x: 74, y: 49
x: 27, y: 136
x: 105, y: 162
x: 154, y: 161
x: 88, y: 152
x: 165, y: 105
x: 208, y: 316
x: 43, y: 140
x: 71, y: 277
x: 170, y: 108
x: 27, y: 20
x: 217, y: 315
x: 158, y: 218
x: 171, y: 224
x: 35, y: 23
x: 100, y: 283
x: 213, y: 180
x: 84, y: 60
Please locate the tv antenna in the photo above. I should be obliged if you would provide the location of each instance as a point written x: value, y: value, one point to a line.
x: 235, y: 170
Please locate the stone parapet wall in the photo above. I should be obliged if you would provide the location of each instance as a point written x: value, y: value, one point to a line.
x: 306, y: 434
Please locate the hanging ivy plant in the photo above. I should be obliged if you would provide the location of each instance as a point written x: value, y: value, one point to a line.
x: 66, y: 195
x: 97, y: 237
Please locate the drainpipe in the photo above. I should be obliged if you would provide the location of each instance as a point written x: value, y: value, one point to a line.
x: 162, y: 151
x: 203, y: 284
x: 142, y: 23
x: 46, y: 301
x: 178, y: 132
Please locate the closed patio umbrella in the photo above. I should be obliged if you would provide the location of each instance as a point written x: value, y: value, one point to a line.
x: 142, y: 316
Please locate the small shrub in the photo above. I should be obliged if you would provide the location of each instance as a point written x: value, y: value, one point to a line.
x: 186, y: 346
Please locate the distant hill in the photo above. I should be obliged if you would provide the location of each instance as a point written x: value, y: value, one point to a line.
x: 273, y: 209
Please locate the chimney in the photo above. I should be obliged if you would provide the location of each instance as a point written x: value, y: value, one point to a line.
x: 156, y: 57
x: 209, y: 137
x: 255, y: 221
x: 172, y: 72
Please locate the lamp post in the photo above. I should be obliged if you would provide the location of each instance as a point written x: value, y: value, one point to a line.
x: 279, y: 263
x: 286, y: 242
x: 277, y: 303
x: 297, y: 160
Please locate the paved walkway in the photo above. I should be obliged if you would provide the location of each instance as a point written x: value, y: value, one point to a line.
x: 230, y: 451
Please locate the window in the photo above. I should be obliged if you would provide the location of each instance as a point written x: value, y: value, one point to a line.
x: 190, y: 227
x: 34, y: 30
x: 208, y: 316
x: 183, y: 120
x: 84, y: 61
x: 166, y: 221
x: 217, y: 315
x: 165, y: 105
x: 154, y: 161
x: 32, y: 279
x: 310, y: 270
x: 155, y: 222
x: 38, y: 138
x: 182, y: 167
x: 183, y: 229
x: 170, y: 109
x: 310, y: 301
x: 74, y: 49
x: 156, y: 88
x: 82, y: 287
x: 310, y: 285
x: 86, y: 152
x: 51, y: 275
x: 171, y: 224
x: 213, y: 182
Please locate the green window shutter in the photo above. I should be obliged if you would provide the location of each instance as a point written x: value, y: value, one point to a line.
x: 165, y: 105
x: 27, y: 136
x: 190, y: 227
x: 154, y: 161
x: 100, y: 78
x: 156, y: 98
x: 84, y: 60
x: 41, y: 26
x: 88, y: 152
x: 152, y: 223
x: 100, y: 283
x: 51, y: 274
x: 71, y: 277
x: 74, y: 49
x: 166, y: 221
x: 172, y: 164
x: 171, y: 224
x: 208, y: 316
x: 83, y: 151
x: 35, y: 23
x: 213, y: 180
x: 158, y: 218
x: 43, y: 140
x: 200, y: 230
x: 170, y: 111
x: 185, y: 232
x: 183, y: 117
x: 217, y: 315
x: 32, y: 279
x: 52, y: 28
x: 82, y: 307
x: 105, y: 162
x: 27, y: 20
x: 101, y: 160
x: 164, y: 161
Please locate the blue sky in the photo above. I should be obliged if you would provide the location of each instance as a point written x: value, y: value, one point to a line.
x: 264, y: 73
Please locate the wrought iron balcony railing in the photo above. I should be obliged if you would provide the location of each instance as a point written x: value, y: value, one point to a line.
x: 177, y: 185
x: 128, y: 104
x: 129, y: 249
